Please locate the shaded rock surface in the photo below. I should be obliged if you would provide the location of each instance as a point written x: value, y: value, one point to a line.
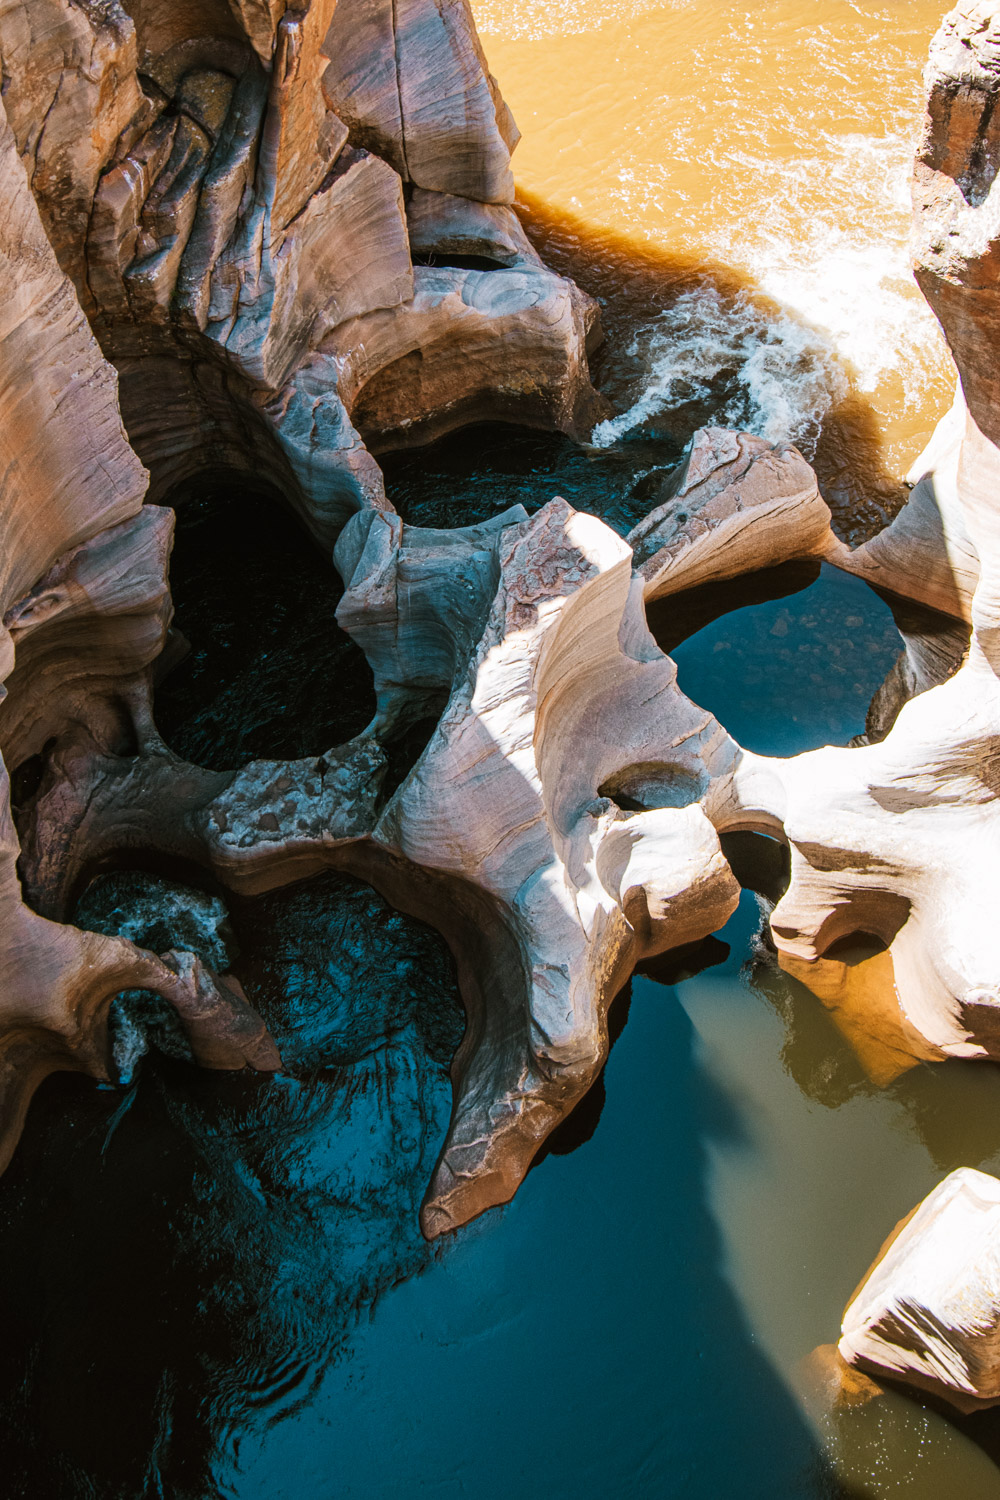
x: 928, y: 1311
x: 531, y: 779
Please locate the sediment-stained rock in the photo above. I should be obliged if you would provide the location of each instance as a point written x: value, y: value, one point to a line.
x: 71, y: 94
x: 897, y: 840
x: 505, y: 834
x: 928, y: 1312
x: 926, y: 553
x: 416, y: 603
x: 59, y: 981
x: 197, y: 184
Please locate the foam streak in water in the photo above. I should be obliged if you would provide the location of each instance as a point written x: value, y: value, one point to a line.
x: 763, y: 373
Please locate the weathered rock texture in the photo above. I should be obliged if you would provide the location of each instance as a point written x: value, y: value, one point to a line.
x: 228, y: 187
x: 289, y: 226
x: 84, y: 601
x: 221, y: 193
x: 928, y: 1312
x: 904, y: 841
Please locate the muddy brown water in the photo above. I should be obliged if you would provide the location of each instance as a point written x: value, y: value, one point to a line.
x: 215, y: 1286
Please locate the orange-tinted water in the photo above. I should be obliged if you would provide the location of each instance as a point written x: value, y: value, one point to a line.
x: 760, y: 154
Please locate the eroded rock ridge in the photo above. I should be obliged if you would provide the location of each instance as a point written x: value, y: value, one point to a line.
x: 277, y: 240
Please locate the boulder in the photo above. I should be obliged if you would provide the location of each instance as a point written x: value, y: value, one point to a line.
x: 928, y: 1311
x: 735, y: 504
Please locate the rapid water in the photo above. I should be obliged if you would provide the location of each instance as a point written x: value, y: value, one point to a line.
x: 214, y: 1284
x: 757, y: 157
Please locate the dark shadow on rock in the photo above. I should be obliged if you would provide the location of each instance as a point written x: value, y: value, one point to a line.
x: 760, y: 863
x: 679, y: 616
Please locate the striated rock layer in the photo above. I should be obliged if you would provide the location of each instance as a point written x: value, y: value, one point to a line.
x: 220, y: 193
x: 902, y: 840
x: 928, y: 1312
x: 289, y: 227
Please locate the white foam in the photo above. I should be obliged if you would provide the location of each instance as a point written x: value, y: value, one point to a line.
x: 849, y: 309
x: 844, y: 267
x: 783, y: 376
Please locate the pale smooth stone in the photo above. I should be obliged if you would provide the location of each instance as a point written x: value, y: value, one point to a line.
x: 928, y: 1312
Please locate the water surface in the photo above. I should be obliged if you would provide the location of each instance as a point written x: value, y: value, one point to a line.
x: 759, y: 154
x: 215, y: 1285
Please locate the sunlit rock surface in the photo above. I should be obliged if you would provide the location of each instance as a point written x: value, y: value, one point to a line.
x: 222, y: 222
x: 189, y: 173
x: 300, y: 254
x: 928, y: 1312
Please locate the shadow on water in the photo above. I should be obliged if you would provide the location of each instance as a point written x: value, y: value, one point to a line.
x: 205, y: 1244
x: 196, y: 1299
x: 634, y: 284
x: 184, y: 1306
x: 478, y: 471
x: 197, y: 1267
x: 667, y: 968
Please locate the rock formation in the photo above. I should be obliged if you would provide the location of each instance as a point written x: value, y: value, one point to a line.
x: 289, y: 228
x: 928, y: 1311
x: 220, y: 193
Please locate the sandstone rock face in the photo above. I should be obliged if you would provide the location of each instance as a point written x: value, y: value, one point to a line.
x: 76, y: 96
x: 85, y: 610
x: 67, y: 469
x: 444, y: 225
x: 515, y: 797
x: 410, y: 79
x: 197, y: 181
x: 292, y: 235
x: 928, y: 1312
x: 180, y: 172
x: 738, y: 504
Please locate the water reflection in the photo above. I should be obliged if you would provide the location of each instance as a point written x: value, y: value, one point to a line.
x: 584, y: 1340
x: 222, y: 1289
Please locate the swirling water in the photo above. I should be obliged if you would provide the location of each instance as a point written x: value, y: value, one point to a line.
x: 215, y: 1285
x: 759, y: 155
